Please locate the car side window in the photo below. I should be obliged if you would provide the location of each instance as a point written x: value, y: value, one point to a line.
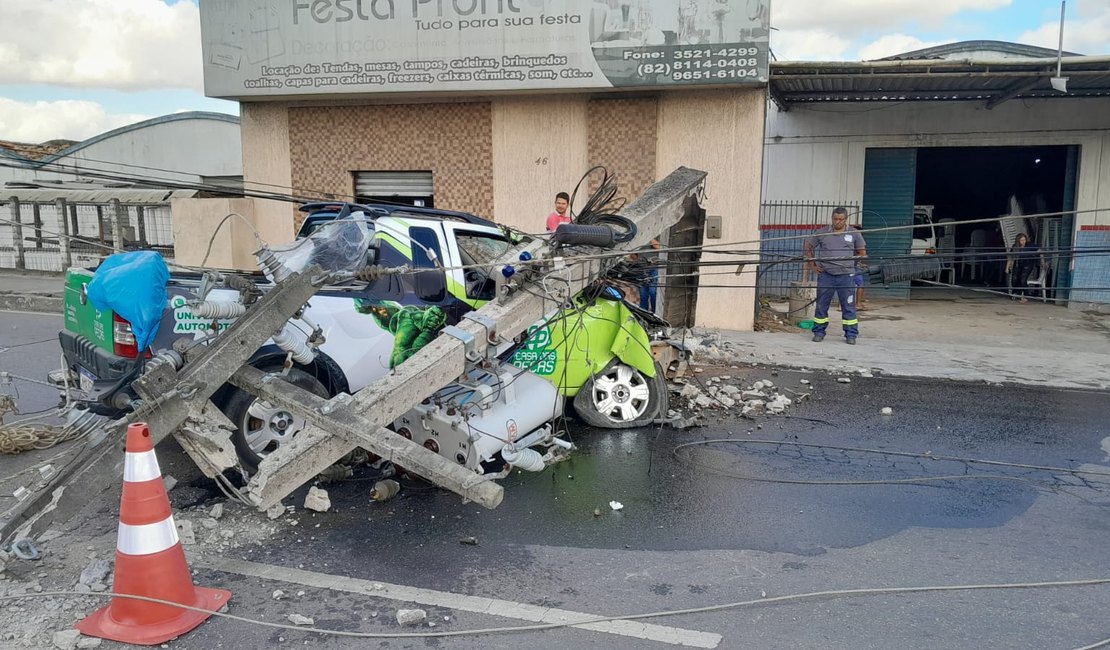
x: 429, y: 279
x: 478, y: 251
x: 389, y: 287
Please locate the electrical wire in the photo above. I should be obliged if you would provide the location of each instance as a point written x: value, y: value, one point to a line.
x: 7, y: 348
x: 61, y: 169
x: 603, y: 205
x: 762, y: 601
x: 720, y: 441
x: 208, y: 251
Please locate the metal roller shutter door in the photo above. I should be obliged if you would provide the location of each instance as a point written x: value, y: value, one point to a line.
x: 889, y: 183
x: 392, y: 183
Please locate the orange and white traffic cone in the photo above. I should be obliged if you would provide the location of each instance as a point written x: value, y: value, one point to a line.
x: 149, y: 560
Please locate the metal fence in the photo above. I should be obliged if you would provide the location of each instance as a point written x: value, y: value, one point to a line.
x: 52, y: 236
x: 783, y: 226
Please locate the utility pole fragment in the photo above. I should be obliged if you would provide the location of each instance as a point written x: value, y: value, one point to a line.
x: 119, y: 217
x: 17, y: 233
x: 63, y: 236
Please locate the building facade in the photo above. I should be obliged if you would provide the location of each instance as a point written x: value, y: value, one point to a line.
x: 964, y: 140
x: 70, y: 203
x: 547, y: 95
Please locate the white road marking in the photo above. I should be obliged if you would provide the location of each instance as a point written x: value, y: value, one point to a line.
x: 478, y: 604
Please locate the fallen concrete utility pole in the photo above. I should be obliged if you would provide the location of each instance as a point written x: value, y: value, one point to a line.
x: 176, y: 401
x: 447, y: 357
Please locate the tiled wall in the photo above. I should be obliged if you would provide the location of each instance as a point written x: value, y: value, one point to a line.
x: 623, y: 134
x: 453, y: 141
x: 1092, y: 269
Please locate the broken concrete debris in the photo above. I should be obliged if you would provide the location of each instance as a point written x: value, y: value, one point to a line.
x: 185, y: 532
x: 298, y: 619
x: 761, y: 396
x: 887, y: 411
x: 411, y: 616
x: 317, y: 500
x: 96, y: 572
x: 843, y: 380
x: 66, y: 639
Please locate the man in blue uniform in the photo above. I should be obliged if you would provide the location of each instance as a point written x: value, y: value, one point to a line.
x: 833, y: 253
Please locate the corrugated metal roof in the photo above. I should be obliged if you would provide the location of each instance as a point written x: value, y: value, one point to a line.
x: 1003, y: 49
x: 992, y: 81
x: 94, y: 195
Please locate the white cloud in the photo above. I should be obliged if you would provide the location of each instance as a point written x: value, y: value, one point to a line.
x: 809, y: 45
x: 1086, y: 29
x: 855, y: 17
x: 121, y: 44
x: 892, y: 44
x: 851, y: 29
x: 36, y: 122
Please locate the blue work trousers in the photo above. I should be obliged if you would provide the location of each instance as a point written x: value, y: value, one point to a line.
x: 647, y: 298
x: 844, y: 288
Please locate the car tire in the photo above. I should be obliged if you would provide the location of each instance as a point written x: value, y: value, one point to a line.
x: 622, y: 397
x: 261, y: 428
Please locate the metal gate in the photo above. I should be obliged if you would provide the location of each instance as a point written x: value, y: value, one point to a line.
x: 54, y: 235
x: 783, y: 227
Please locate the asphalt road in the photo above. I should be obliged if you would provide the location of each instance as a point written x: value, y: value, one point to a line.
x: 719, y: 523
x: 28, y: 350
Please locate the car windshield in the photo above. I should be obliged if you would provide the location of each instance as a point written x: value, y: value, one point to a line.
x: 923, y: 229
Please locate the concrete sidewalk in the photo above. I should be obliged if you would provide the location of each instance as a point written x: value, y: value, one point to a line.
x: 43, y: 292
x: 964, y: 337
x: 979, y: 339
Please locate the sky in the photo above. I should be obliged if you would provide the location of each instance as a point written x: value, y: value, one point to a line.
x: 74, y: 68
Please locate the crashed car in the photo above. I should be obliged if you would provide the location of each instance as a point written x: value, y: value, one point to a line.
x: 594, y: 351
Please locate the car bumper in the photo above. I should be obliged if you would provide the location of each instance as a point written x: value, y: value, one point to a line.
x: 98, y: 373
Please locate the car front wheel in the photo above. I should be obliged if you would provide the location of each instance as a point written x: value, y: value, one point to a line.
x: 622, y: 397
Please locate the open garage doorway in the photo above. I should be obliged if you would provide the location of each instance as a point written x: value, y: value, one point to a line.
x: 935, y: 192
x: 954, y: 185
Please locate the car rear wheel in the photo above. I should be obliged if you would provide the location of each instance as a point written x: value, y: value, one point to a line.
x: 261, y: 427
x: 622, y: 397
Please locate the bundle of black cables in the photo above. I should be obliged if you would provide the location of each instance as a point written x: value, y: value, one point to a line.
x: 601, y: 209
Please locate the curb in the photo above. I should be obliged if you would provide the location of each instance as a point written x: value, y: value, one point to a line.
x: 48, y: 303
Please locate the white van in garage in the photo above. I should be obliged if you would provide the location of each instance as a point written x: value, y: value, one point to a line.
x: 925, y: 233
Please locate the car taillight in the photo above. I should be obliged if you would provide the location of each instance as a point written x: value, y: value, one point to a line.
x: 123, y: 338
x: 930, y: 251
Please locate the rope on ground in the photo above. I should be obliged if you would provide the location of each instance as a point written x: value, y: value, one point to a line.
x: 17, y: 438
x: 28, y: 437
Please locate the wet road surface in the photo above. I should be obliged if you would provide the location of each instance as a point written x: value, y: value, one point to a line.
x: 699, y: 530
x: 692, y: 534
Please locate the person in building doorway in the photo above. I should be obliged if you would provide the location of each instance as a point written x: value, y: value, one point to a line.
x: 649, y: 277
x: 562, y: 205
x: 860, y: 281
x: 833, y: 253
x: 1022, y: 262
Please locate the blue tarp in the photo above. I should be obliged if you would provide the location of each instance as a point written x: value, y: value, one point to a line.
x: 133, y: 285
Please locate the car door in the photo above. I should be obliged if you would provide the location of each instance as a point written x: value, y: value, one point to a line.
x: 476, y: 249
